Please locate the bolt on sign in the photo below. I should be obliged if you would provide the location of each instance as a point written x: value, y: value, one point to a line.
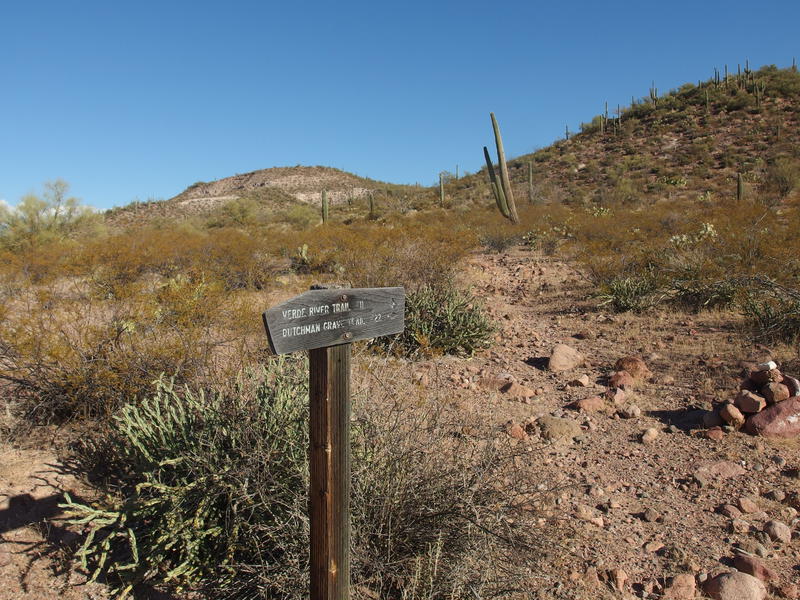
x: 325, y: 321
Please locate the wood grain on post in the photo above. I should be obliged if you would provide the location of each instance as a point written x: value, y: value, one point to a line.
x: 330, y: 472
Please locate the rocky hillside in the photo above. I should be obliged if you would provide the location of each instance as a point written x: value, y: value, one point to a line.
x: 689, y: 143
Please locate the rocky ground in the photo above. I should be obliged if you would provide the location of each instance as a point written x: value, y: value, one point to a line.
x: 661, y: 507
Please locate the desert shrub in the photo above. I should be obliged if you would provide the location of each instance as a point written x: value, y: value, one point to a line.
x: 239, y: 212
x: 414, y: 253
x: 208, y: 492
x: 634, y: 293
x: 441, y: 320
x: 206, y: 483
x: 699, y: 294
x: 300, y: 216
x: 500, y: 236
x: 68, y: 351
x: 773, y: 311
x: 781, y: 177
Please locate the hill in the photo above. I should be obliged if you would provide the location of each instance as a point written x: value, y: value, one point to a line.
x: 689, y: 143
x: 271, y: 189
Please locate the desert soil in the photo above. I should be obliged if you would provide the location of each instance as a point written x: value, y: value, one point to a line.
x: 645, y: 512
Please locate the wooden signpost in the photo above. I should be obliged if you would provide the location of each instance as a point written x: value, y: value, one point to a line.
x: 325, y: 321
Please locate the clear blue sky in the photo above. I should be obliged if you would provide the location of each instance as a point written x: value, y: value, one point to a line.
x: 132, y: 100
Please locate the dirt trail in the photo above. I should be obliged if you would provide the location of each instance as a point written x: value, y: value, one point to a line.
x: 34, y: 561
x: 657, y: 519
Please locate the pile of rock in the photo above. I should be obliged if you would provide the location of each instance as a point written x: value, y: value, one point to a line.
x: 768, y: 404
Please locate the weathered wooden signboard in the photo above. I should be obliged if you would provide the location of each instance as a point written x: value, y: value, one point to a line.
x: 325, y: 321
x: 328, y: 317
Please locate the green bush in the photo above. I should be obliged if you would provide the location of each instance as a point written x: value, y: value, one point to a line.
x: 697, y: 294
x: 441, y: 320
x: 635, y: 293
x: 208, y: 492
x: 206, y: 483
x: 774, y: 312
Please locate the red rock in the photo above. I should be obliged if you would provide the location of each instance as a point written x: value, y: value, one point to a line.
x: 731, y: 415
x: 775, y: 392
x: 747, y: 506
x: 564, y: 358
x: 716, y: 434
x: 589, y: 405
x: 729, y: 510
x: 752, y: 566
x: 516, y: 431
x: 778, y: 532
x: 792, y: 384
x: 616, y: 395
x: 582, y: 381
x: 622, y: 379
x: 635, y: 366
x: 780, y: 420
x: 750, y: 402
x: 515, y: 390
x: 680, y: 587
x: 735, y: 586
x: 619, y: 579
x: 761, y: 378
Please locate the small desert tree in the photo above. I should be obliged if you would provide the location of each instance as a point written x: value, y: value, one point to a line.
x: 36, y: 218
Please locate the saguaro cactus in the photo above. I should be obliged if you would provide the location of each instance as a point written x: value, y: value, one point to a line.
x: 530, y: 183
x: 441, y: 189
x: 739, y: 187
x: 497, y: 189
x: 324, y: 206
x: 502, y: 189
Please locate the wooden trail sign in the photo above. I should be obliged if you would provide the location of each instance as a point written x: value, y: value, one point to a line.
x: 325, y: 322
x: 327, y: 317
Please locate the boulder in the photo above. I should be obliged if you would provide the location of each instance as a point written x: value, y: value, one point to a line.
x: 764, y: 377
x: 622, y: 379
x: 735, y: 586
x: 780, y: 420
x: 589, y: 405
x: 558, y: 429
x: 778, y: 532
x: 732, y: 415
x: 680, y: 587
x: 793, y: 385
x: 635, y: 366
x: 564, y: 358
x: 752, y: 566
x: 775, y: 392
x: 749, y: 402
